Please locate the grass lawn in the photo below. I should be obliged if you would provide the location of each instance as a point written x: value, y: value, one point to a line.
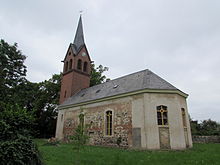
x: 63, y: 154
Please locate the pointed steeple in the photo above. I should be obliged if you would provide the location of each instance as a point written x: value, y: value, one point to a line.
x: 79, y: 37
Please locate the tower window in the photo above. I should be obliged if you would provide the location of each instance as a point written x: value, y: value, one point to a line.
x: 71, y: 63
x: 109, y: 123
x: 162, y: 118
x: 183, y: 117
x: 79, y: 64
x: 66, y: 66
x: 85, y: 67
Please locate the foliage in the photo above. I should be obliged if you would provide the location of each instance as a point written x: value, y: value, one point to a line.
x: 12, y: 71
x: 19, y: 151
x: 16, y: 146
x: 14, y: 122
x: 26, y: 95
x: 194, y: 127
x: 97, y: 76
x: 80, y: 136
x: 210, y: 127
x: 39, y: 98
x: 206, y: 127
x: 199, y: 154
x: 46, y: 106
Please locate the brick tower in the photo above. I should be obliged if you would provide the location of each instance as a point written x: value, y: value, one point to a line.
x: 77, y: 66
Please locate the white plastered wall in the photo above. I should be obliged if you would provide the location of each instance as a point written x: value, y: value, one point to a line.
x: 59, y: 127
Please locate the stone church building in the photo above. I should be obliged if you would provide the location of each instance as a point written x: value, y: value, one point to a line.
x: 141, y: 108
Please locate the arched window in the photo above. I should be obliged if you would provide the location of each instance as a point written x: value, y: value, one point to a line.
x: 162, y: 118
x: 79, y: 64
x: 108, y: 123
x: 85, y: 67
x: 66, y: 66
x: 81, y: 121
x: 70, y: 64
x: 183, y: 117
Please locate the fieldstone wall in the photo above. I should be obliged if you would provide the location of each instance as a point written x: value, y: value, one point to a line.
x: 70, y: 123
x: 206, y: 139
x: 95, y: 120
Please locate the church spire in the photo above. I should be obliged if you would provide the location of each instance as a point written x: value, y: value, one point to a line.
x: 79, y: 37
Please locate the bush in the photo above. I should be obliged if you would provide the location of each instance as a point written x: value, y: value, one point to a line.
x: 21, y: 151
x: 16, y: 146
x: 80, y: 136
x: 18, y: 122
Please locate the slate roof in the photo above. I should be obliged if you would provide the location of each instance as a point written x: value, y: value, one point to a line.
x: 79, y: 36
x: 130, y: 83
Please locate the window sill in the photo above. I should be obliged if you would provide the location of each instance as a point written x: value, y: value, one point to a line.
x: 163, y: 126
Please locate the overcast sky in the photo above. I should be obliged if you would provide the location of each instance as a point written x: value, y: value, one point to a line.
x: 177, y: 39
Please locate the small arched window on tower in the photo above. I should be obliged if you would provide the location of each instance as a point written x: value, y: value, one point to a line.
x: 66, y: 66
x: 85, y: 67
x: 79, y: 64
x: 183, y: 117
x: 108, y: 123
x: 162, y: 118
x: 70, y: 64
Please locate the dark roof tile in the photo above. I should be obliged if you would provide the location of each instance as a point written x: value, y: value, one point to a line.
x: 133, y: 82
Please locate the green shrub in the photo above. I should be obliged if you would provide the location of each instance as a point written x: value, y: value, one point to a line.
x: 16, y: 146
x: 21, y: 151
x: 80, y: 136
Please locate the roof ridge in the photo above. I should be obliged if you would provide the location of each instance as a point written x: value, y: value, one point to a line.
x: 162, y: 79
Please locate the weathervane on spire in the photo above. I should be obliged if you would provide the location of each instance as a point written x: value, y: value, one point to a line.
x: 80, y: 12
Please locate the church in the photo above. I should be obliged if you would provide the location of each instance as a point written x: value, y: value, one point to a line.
x: 141, y: 109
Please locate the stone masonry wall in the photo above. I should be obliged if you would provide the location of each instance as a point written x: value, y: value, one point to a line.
x: 206, y: 139
x: 70, y: 123
x: 95, y: 119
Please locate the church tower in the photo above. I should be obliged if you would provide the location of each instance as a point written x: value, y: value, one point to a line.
x: 77, y: 66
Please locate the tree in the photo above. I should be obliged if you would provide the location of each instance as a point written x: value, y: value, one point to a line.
x: 46, y: 104
x: 26, y: 94
x: 195, y: 127
x: 209, y: 127
x: 97, y: 76
x: 12, y: 71
x: 205, y: 128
